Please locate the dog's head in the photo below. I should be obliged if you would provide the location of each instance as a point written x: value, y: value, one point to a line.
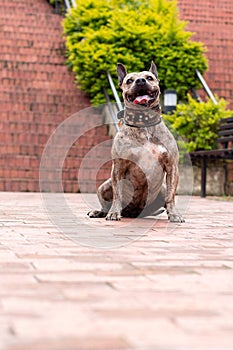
x: 139, y: 89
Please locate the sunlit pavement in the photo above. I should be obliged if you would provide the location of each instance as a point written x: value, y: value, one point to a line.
x: 148, y: 285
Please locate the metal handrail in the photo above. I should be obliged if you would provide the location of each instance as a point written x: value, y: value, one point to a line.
x: 111, y: 110
x: 119, y: 105
x: 74, y: 3
x: 206, y: 87
x: 114, y: 91
x: 68, y: 4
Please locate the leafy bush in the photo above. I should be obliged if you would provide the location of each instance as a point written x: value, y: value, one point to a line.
x: 197, y: 123
x: 52, y: 2
x: 100, y: 33
x: 58, y: 5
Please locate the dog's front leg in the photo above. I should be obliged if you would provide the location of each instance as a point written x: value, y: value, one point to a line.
x: 116, y: 176
x: 172, y: 178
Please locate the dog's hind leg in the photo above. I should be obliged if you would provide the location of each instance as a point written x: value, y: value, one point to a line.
x: 157, y: 207
x: 105, y: 196
x: 171, y: 185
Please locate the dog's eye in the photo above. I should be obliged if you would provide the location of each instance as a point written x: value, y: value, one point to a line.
x: 129, y: 81
x: 149, y: 77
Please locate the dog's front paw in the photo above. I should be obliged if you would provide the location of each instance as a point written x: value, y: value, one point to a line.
x: 114, y: 216
x: 96, y: 214
x: 175, y: 218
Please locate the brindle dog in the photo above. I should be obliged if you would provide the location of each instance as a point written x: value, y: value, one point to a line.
x: 145, y: 156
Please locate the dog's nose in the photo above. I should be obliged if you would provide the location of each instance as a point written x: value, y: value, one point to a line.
x: 141, y: 81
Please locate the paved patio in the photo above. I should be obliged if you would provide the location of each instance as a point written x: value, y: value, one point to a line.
x: 148, y: 285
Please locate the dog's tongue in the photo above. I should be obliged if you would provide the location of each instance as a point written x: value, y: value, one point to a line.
x: 141, y: 99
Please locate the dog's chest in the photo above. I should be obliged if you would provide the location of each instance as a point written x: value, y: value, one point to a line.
x: 140, y: 145
x: 131, y: 140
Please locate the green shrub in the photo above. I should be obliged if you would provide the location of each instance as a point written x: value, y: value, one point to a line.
x: 52, y: 2
x: 197, y: 123
x: 100, y: 33
x: 58, y: 5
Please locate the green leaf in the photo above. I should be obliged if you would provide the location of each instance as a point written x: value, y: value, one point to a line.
x: 100, y: 33
x: 197, y: 123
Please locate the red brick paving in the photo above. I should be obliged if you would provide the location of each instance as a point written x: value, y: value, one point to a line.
x: 167, y: 290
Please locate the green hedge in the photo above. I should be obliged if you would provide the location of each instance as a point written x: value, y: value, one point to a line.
x: 197, y: 123
x: 60, y: 6
x: 101, y: 33
x: 52, y: 2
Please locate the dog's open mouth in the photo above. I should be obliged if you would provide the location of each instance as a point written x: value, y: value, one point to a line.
x: 144, y: 98
x: 141, y: 100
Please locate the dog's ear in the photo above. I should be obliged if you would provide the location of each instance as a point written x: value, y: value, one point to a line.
x: 153, y: 69
x: 122, y: 72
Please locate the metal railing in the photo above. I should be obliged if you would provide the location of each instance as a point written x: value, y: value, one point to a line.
x: 206, y: 87
x: 119, y: 105
x: 111, y: 113
x: 114, y: 91
x: 70, y: 3
x: 67, y: 4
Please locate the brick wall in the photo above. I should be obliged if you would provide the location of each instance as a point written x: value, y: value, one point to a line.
x: 37, y: 93
x: 212, y: 22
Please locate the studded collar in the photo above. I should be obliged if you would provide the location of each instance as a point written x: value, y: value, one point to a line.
x: 140, y: 117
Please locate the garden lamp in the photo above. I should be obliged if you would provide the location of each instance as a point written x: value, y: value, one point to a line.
x: 170, y: 101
